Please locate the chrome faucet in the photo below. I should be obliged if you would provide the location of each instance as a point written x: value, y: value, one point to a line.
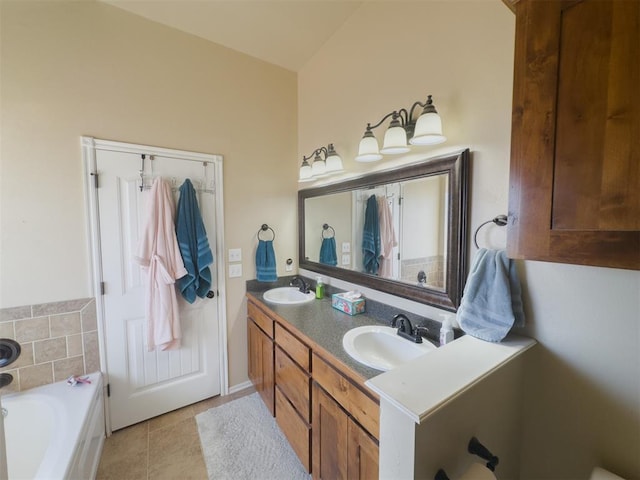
x: 300, y: 283
x: 405, y: 329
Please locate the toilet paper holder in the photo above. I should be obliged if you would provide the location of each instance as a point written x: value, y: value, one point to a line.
x: 476, y: 448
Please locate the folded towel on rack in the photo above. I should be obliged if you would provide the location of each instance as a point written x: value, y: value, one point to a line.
x: 371, y: 237
x: 194, y: 245
x: 328, y: 254
x: 387, y: 237
x: 159, y: 256
x: 266, y: 262
x: 492, y: 300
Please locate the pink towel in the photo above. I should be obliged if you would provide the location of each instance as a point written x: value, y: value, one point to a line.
x: 159, y: 256
x: 387, y: 238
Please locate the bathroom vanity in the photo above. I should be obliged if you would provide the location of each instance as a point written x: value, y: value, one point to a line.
x: 346, y: 420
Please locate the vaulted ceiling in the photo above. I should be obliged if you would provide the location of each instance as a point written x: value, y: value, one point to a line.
x: 283, y: 32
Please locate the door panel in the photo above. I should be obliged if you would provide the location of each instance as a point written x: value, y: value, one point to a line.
x: 148, y: 383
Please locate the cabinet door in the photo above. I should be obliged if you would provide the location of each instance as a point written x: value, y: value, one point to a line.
x: 261, y: 371
x: 575, y: 157
x: 362, y: 452
x: 329, y: 437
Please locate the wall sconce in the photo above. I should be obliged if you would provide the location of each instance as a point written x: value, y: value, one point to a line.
x: 321, y: 166
x: 426, y: 130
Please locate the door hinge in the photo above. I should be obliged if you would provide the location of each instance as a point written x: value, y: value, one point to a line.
x: 108, y: 389
x: 95, y: 179
x: 102, y: 288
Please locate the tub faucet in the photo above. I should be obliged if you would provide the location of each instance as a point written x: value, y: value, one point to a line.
x: 405, y: 329
x: 300, y: 283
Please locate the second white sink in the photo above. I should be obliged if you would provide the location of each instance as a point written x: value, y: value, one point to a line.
x: 288, y: 296
x: 381, y: 348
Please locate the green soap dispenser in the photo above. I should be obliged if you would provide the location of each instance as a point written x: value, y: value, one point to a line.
x: 319, y: 288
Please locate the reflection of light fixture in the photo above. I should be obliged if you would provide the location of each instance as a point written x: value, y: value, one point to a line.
x: 321, y: 166
x: 427, y: 130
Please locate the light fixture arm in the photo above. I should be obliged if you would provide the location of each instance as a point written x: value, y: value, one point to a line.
x: 316, y: 153
x: 394, y: 114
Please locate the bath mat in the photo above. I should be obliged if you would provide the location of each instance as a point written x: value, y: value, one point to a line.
x: 241, y: 440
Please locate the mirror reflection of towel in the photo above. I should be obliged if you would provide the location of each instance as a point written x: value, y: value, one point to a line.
x: 492, y: 303
x: 371, y: 237
x: 266, y: 262
x: 328, y: 254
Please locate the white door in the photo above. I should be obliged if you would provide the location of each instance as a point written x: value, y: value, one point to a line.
x: 145, y: 384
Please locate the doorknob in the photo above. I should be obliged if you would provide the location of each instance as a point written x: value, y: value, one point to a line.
x: 210, y: 294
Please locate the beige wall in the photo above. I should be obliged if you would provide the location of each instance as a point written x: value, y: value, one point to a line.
x: 84, y: 68
x: 582, y: 391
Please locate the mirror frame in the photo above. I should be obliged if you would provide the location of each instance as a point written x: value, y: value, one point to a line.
x: 457, y: 166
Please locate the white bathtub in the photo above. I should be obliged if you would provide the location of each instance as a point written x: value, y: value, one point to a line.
x: 55, y: 431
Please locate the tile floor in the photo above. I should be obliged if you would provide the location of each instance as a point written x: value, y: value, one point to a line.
x: 164, y: 447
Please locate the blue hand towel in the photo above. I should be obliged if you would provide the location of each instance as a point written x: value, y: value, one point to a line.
x: 371, y: 237
x: 193, y: 244
x: 328, y: 254
x: 265, y: 262
x: 492, y: 303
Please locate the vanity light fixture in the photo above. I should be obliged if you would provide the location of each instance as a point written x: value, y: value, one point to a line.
x: 426, y: 130
x: 322, y: 165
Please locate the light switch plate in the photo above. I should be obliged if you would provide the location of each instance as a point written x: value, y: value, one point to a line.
x: 235, y: 255
x: 235, y: 270
x: 346, y: 259
x: 346, y: 247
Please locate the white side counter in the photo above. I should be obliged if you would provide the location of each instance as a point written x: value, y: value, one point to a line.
x: 410, y: 394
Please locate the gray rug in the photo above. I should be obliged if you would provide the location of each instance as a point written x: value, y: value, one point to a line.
x: 241, y: 440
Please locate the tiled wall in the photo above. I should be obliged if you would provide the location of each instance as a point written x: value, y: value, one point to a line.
x: 433, y: 267
x: 57, y: 339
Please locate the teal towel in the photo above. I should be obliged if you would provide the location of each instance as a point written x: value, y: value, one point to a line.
x: 371, y: 237
x: 194, y: 246
x: 266, y: 262
x: 492, y: 300
x: 328, y: 254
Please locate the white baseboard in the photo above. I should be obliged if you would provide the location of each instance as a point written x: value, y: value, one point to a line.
x: 240, y: 386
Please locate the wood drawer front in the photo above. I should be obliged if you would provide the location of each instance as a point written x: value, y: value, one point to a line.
x: 295, y: 429
x: 294, y: 347
x: 294, y: 383
x: 359, y: 405
x: 262, y: 319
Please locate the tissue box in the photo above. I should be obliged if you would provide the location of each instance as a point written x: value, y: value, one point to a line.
x: 346, y: 305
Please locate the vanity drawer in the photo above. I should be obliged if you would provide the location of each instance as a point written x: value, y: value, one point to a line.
x: 294, y: 428
x: 260, y: 318
x: 294, y: 383
x: 294, y: 347
x: 359, y: 405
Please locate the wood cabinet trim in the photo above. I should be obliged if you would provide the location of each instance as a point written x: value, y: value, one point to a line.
x: 353, y: 399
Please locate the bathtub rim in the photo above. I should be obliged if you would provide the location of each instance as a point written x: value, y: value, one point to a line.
x: 57, y: 462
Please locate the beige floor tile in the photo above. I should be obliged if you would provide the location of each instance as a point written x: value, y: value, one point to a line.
x: 165, y: 447
x: 175, y: 452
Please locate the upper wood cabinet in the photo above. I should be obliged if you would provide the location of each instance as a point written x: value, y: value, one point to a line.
x: 575, y: 155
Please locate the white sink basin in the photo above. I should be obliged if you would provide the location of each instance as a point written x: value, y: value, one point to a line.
x: 288, y: 296
x: 381, y: 348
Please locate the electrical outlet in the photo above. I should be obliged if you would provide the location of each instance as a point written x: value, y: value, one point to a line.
x: 235, y: 270
x: 288, y: 268
x: 346, y: 247
x: 346, y: 259
x: 235, y: 255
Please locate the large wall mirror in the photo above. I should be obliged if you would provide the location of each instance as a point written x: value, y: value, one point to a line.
x: 401, y: 231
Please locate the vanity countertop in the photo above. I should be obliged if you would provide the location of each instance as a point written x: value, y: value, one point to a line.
x: 419, y: 387
x: 325, y: 326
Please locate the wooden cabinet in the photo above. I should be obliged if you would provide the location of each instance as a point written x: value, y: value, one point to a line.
x: 342, y: 449
x: 261, y: 357
x: 293, y: 392
x: 332, y: 426
x: 575, y: 149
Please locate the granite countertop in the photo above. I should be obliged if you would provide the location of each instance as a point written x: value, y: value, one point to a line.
x: 443, y: 374
x: 325, y: 326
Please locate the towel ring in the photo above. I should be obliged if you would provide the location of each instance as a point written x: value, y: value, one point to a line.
x: 326, y: 227
x: 500, y: 220
x: 264, y: 228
